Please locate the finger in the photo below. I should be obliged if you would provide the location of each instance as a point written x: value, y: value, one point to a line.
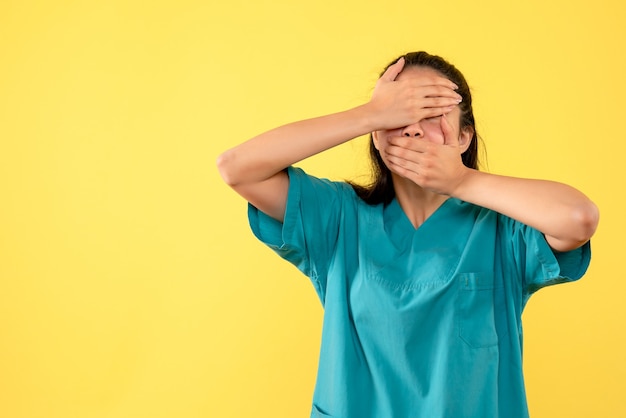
x: 402, y: 166
x: 402, y: 145
x: 432, y: 112
x: 448, y: 132
x: 441, y: 91
x: 393, y: 70
x: 442, y: 81
x: 430, y: 102
x: 436, y: 81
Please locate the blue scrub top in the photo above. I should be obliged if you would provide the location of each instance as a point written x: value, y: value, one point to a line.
x: 417, y: 322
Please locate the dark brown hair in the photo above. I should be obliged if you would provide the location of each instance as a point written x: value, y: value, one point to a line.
x: 381, y: 190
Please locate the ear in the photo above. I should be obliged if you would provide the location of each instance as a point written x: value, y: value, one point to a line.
x: 465, y: 138
x: 375, y: 139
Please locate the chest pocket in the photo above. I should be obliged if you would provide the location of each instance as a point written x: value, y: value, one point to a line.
x: 476, y: 310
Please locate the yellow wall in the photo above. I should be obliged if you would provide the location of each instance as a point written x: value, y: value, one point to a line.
x: 130, y: 285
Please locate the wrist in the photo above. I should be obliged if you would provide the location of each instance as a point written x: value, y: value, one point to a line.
x: 466, y: 178
x: 367, y: 117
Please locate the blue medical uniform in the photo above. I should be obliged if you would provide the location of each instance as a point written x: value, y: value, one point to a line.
x: 419, y: 322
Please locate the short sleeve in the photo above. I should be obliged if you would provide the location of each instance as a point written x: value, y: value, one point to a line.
x: 541, y: 265
x: 308, y: 234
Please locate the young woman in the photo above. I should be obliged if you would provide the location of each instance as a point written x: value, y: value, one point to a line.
x: 424, y: 273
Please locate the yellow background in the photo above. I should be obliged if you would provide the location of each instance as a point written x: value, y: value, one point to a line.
x: 130, y: 285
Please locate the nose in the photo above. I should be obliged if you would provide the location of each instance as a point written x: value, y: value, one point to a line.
x: 414, y: 131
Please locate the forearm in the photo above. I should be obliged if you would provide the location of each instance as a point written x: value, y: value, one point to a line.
x: 563, y: 214
x: 271, y: 152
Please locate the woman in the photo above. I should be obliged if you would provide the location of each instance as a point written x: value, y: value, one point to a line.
x: 423, y: 274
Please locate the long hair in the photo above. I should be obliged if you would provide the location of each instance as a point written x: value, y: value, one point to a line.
x: 381, y: 190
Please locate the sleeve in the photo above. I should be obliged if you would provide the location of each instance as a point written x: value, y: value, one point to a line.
x: 542, y: 266
x: 308, y: 234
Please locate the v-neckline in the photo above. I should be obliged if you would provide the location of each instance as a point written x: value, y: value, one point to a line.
x: 401, y: 229
x: 395, y: 209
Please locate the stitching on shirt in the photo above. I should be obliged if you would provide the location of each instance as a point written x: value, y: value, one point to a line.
x: 414, y: 285
x: 417, y: 285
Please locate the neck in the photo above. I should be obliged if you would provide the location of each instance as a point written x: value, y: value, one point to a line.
x: 417, y: 203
